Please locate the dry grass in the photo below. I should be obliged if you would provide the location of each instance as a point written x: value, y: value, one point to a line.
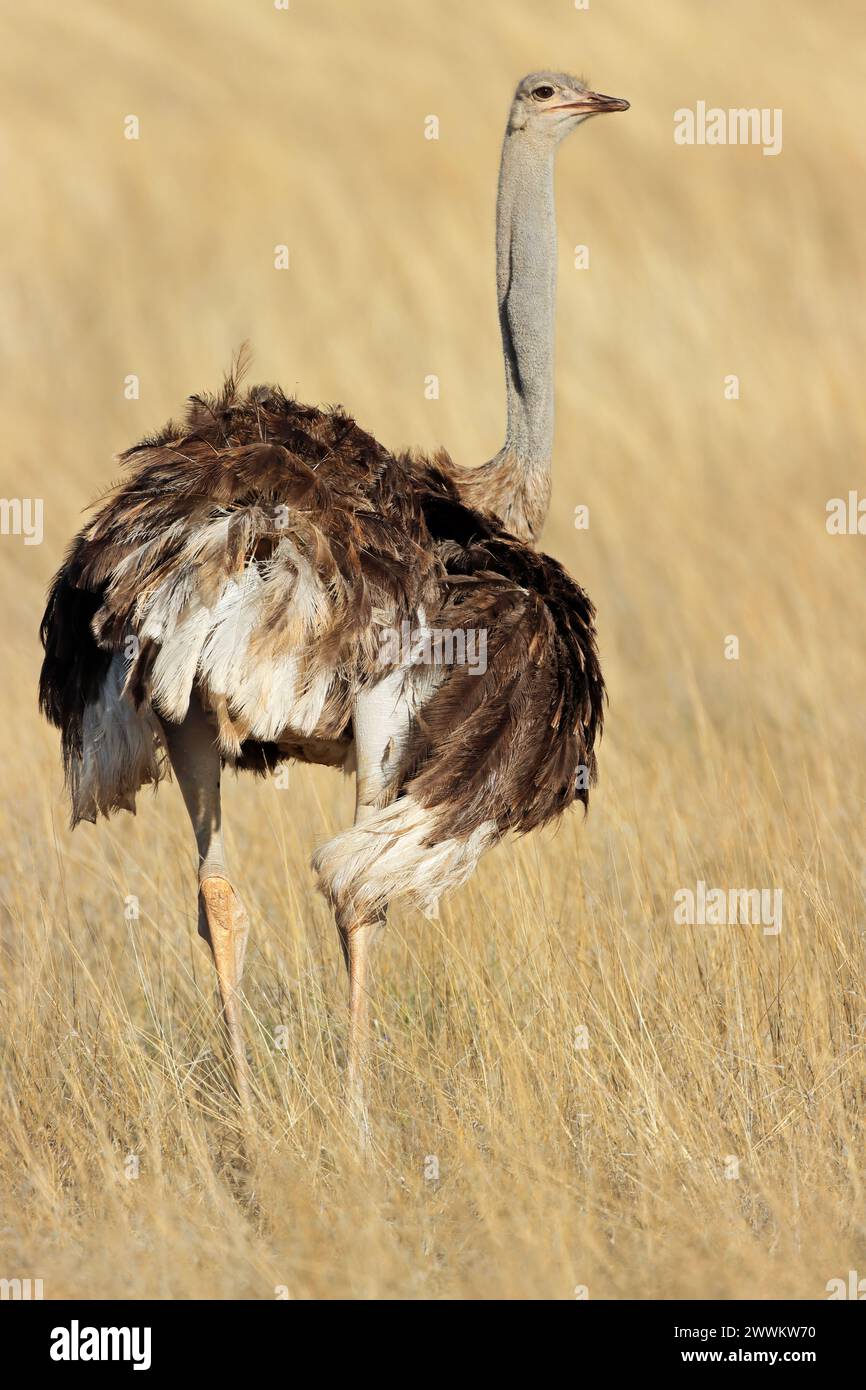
x: 558, y: 1166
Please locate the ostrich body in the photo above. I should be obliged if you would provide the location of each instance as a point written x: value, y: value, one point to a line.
x: 227, y: 602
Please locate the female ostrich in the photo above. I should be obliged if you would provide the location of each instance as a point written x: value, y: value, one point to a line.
x: 226, y: 605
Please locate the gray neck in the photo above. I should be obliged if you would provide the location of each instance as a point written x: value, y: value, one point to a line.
x: 526, y: 288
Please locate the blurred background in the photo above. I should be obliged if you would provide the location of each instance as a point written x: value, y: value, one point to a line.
x: 558, y: 1166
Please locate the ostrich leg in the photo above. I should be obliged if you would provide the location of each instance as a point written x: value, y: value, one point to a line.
x: 381, y: 721
x: 356, y: 936
x: 222, y: 918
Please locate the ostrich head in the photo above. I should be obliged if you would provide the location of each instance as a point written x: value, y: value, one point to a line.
x: 552, y: 104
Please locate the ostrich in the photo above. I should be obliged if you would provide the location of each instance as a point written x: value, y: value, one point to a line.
x: 226, y: 605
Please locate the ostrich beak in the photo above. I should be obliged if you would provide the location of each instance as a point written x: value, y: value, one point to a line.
x: 594, y: 103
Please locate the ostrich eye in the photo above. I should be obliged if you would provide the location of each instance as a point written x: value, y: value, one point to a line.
x: 542, y: 93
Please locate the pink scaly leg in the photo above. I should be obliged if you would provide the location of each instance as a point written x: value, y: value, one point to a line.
x: 223, y: 919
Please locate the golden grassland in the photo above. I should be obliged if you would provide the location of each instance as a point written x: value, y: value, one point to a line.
x: 559, y: 1167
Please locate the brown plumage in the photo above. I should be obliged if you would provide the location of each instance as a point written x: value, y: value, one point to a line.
x: 381, y: 534
x: 271, y: 471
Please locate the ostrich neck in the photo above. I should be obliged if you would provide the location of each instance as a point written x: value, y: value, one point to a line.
x: 526, y: 292
x: 519, y: 476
